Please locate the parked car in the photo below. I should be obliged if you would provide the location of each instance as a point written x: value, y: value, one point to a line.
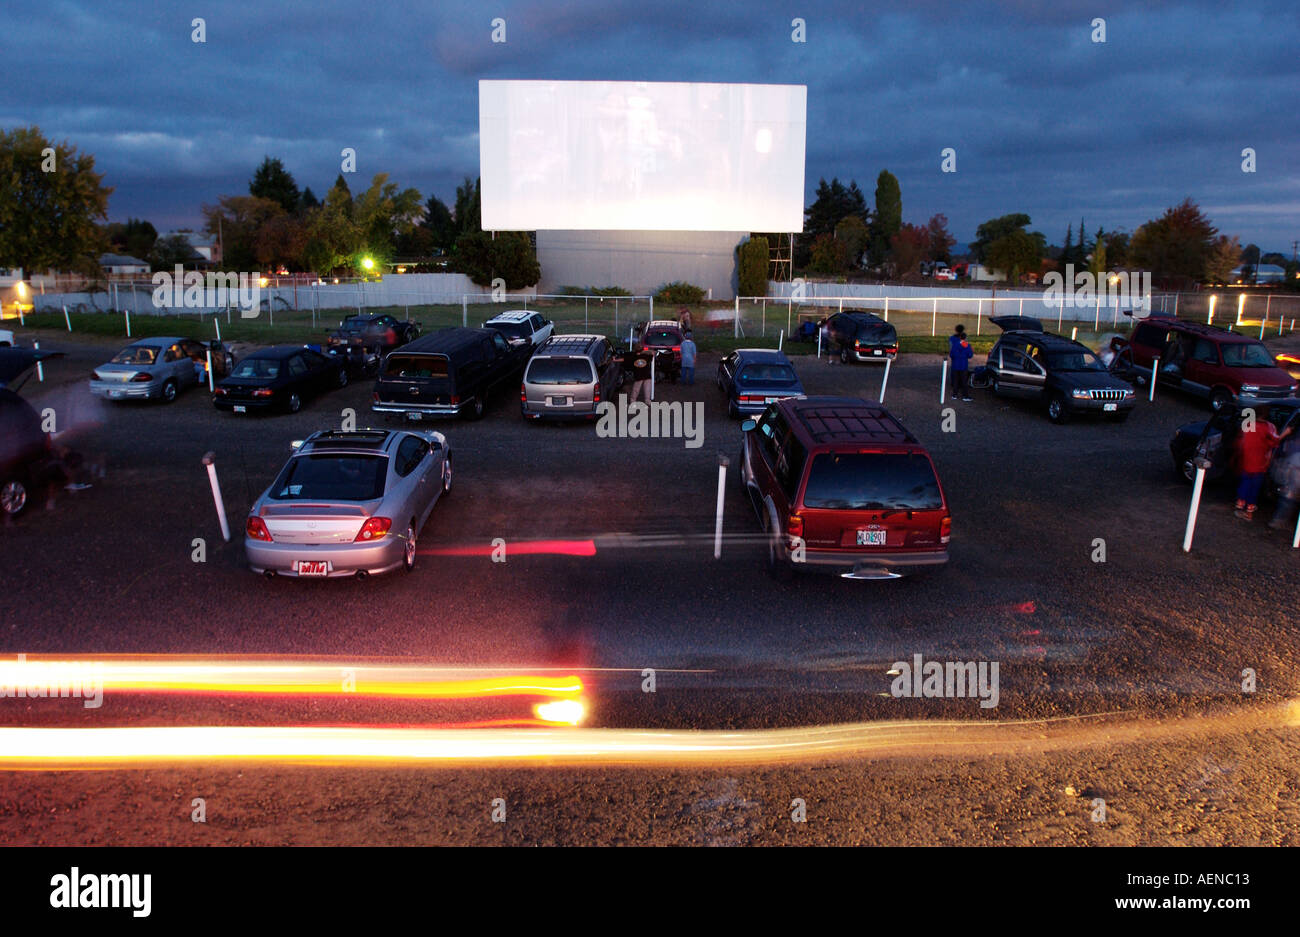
x: 448, y: 373
x: 840, y: 485
x: 1215, y: 439
x: 159, y: 369
x: 363, y: 340
x: 17, y: 364
x: 25, y: 449
x: 860, y: 336
x: 1063, y: 376
x: 569, y: 376
x: 348, y: 504
x: 279, y: 378
x: 664, y: 338
x: 1203, y: 360
x: 754, y: 378
x: 945, y: 273
x: 520, y: 325
x: 6, y: 338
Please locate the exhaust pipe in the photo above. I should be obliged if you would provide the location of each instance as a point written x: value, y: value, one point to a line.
x: 269, y: 574
x: 362, y: 574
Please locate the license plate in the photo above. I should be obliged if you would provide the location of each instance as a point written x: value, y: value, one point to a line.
x: 876, y: 352
x: 115, y: 393
x: 313, y: 567
x: 559, y: 401
x: 771, y: 399
x: 1110, y: 406
x: 239, y: 409
x: 414, y: 415
x: 871, y: 538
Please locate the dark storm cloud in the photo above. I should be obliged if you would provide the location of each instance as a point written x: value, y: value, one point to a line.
x: 1043, y: 120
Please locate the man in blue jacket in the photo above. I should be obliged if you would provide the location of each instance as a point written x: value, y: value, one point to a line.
x: 960, y: 352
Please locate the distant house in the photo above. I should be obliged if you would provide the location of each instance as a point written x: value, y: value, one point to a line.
x: 1267, y: 273
x: 982, y: 274
x: 205, y: 245
x: 116, y: 265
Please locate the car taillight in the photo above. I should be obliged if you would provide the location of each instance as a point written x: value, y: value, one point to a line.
x: 373, y: 529
x: 945, y: 529
x: 596, y: 396
x: 375, y: 396
x: 141, y: 378
x: 256, y: 529
x: 677, y: 348
x: 263, y: 392
x: 523, y: 394
x: 750, y: 398
x: 218, y: 392
x: 794, y: 526
x: 455, y: 399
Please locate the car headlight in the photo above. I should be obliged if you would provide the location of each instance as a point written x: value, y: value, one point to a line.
x: 1082, y: 394
x: 1130, y: 393
x: 1249, y: 388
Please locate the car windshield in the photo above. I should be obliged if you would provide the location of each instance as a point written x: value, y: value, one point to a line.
x: 1247, y: 355
x: 356, y: 322
x: 136, y: 354
x: 412, y: 366
x: 1074, y: 361
x: 559, y: 371
x: 268, y: 368
x: 510, y: 329
x: 331, y: 477
x: 662, y: 338
x: 853, y: 481
x: 767, y: 375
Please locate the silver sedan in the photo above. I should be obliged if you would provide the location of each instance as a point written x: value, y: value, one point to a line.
x: 157, y: 369
x: 349, y: 504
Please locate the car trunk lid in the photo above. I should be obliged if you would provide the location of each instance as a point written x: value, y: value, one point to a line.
x: 316, y: 523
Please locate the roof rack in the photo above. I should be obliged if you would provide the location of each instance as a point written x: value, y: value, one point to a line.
x: 559, y: 343
x: 851, y: 421
x: 349, y: 439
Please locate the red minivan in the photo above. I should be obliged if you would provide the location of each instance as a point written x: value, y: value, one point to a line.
x: 840, y: 485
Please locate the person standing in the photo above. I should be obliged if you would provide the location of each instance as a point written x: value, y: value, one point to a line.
x: 638, y: 364
x: 688, y: 359
x: 1286, y: 472
x: 1254, y: 450
x: 960, y: 352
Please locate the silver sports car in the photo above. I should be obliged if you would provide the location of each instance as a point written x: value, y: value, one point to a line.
x: 348, y: 503
x: 158, y: 368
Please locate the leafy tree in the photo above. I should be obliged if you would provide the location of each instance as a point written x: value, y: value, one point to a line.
x: 1222, y: 259
x: 135, y: 238
x: 832, y: 203
x: 941, y: 241
x: 167, y: 252
x: 752, y: 266
x: 510, y: 256
x: 680, y: 293
x: 48, y: 219
x: 237, y: 220
x: 828, y: 255
x: 468, y: 213
x: 440, y: 223
x: 1015, y: 253
x: 280, y: 242
x: 272, y: 181
x: 1117, y: 249
x: 308, y: 200
x: 382, y: 213
x: 1067, y: 252
x: 908, y: 248
x: 854, y: 236
x: 333, y: 238
x: 994, y: 229
x: 1176, y: 245
x: 888, y: 217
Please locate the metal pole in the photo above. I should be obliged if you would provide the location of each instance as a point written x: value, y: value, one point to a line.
x: 584, y: 313
x: 127, y: 313
x: 979, y: 310
x: 884, y: 382
x: 211, y: 389
x: 886, y: 308
x: 943, y: 380
x: 736, y: 321
x: 40, y: 371
x: 216, y: 320
x: 1154, y: 365
x: 934, y: 317
x: 66, y: 320
x: 723, y: 461
x: 464, y: 311
x: 780, y: 340
x: 209, y: 460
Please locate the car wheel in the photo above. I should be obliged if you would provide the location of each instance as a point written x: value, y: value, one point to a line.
x: 993, y: 385
x: 446, y: 476
x: 778, y: 567
x: 294, y: 403
x: 1220, y: 400
x: 1186, y: 467
x: 1057, y: 411
x: 408, y: 552
x: 13, y: 496
x: 732, y: 410
x: 476, y: 411
x: 343, y: 377
x: 169, y: 392
x: 844, y: 354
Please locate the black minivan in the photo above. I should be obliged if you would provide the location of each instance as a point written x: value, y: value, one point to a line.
x: 447, y: 373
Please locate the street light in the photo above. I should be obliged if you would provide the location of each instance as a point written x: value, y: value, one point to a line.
x: 368, y: 263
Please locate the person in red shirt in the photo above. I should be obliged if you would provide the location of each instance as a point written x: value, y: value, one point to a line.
x: 1254, y: 450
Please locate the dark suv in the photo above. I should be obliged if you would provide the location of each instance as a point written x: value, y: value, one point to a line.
x: 840, y: 485
x: 1215, y: 439
x: 364, y: 339
x: 1209, y: 362
x: 1064, y: 376
x: 860, y: 336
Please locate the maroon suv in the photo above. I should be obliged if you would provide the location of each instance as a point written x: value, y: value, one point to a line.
x: 840, y: 485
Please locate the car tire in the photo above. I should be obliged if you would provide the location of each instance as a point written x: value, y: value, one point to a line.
x: 446, y: 477
x: 844, y: 354
x: 993, y: 385
x: 169, y: 392
x: 476, y: 410
x: 1057, y: 409
x: 13, y: 496
x: 343, y: 377
x: 1220, y: 399
x: 1186, y: 467
x: 294, y: 403
x: 733, y: 411
x: 409, y: 547
x: 777, y: 566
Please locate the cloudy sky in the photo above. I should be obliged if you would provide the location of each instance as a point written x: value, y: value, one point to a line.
x: 1044, y: 120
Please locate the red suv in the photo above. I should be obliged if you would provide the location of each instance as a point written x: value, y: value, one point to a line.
x: 840, y: 485
x: 1216, y: 364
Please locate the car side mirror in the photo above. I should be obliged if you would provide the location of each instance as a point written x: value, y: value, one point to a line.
x: 748, y: 425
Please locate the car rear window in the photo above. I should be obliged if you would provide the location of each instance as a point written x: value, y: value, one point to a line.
x: 1074, y: 361
x: 768, y: 375
x: 331, y: 477
x: 510, y: 329
x: 662, y: 337
x: 415, y: 366
x: 853, y: 481
x: 136, y: 354
x: 560, y: 371
x: 258, y: 367
x: 1247, y: 355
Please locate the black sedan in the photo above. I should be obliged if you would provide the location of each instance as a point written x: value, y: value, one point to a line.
x: 279, y: 378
